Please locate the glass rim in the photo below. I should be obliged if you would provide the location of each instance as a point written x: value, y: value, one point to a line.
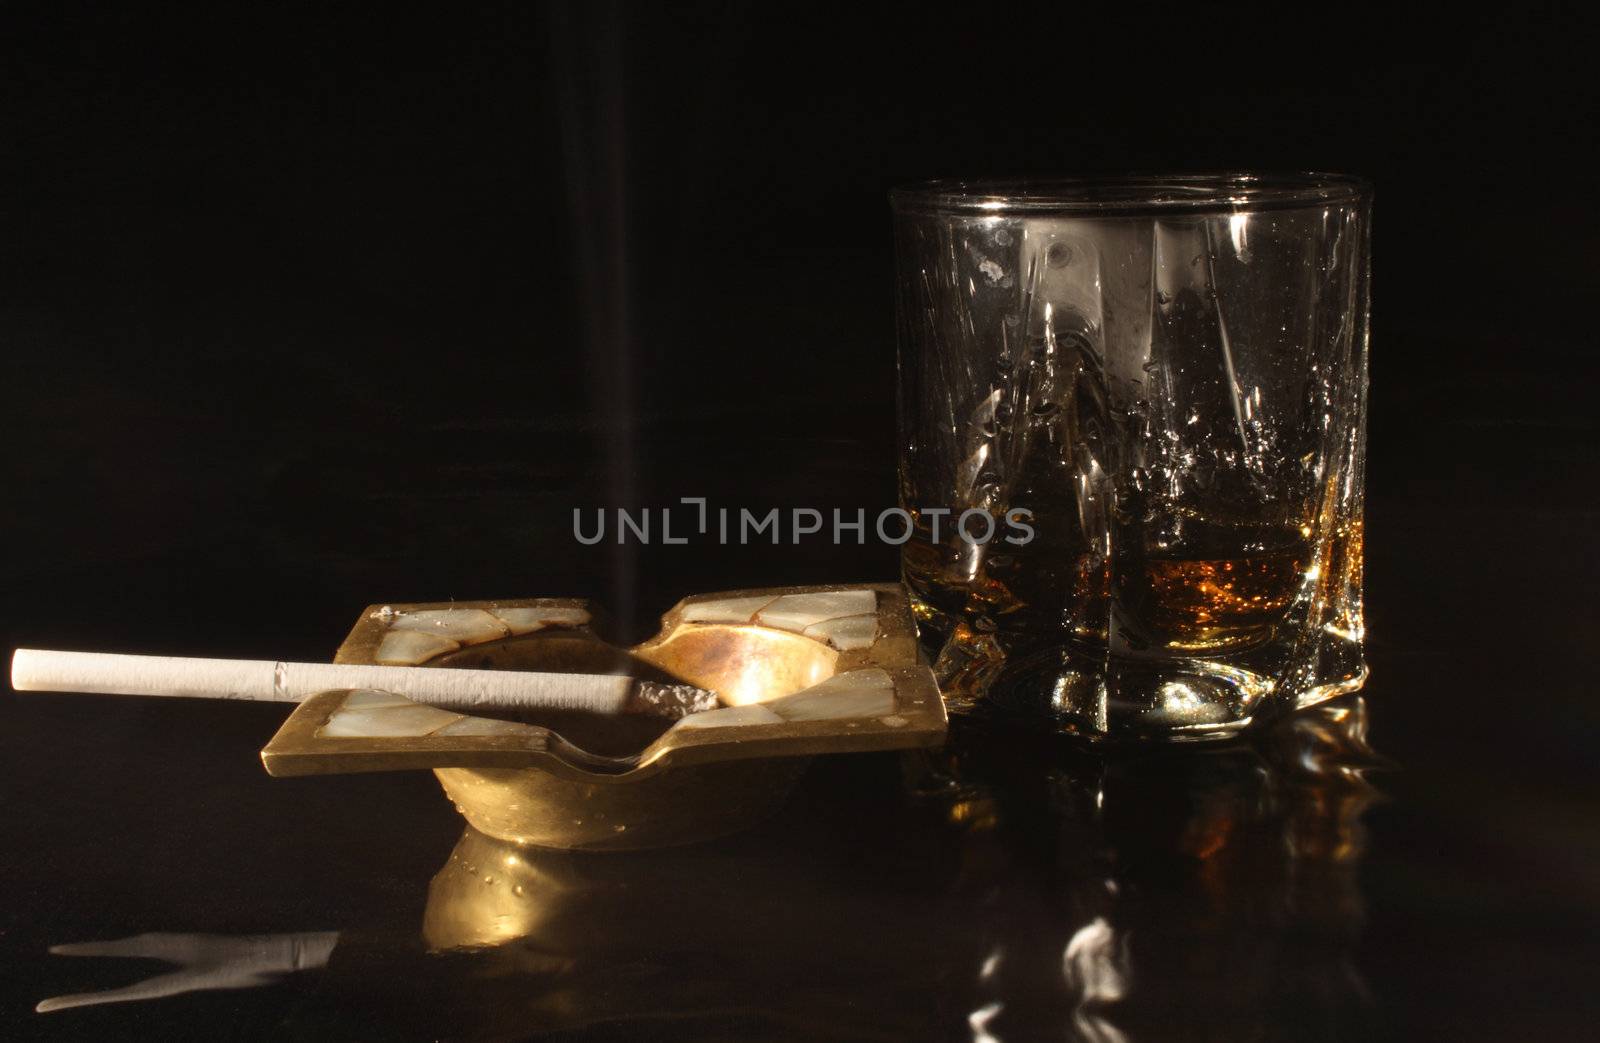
x: 1127, y: 195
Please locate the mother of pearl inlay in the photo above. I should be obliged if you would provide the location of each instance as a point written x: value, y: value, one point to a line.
x: 418, y: 635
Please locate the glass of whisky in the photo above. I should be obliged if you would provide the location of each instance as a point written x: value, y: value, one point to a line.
x: 1132, y: 427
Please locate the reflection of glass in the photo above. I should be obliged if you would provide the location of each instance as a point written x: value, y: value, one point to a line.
x: 1161, y: 896
x: 1132, y: 422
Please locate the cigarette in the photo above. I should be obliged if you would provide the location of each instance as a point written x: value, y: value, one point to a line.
x: 263, y: 680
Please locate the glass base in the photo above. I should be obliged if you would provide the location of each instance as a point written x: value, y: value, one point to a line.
x: 1090, y: 693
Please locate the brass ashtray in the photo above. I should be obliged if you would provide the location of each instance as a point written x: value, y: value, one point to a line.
x: 799, y: 671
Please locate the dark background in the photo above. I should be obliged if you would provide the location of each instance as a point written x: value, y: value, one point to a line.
x: 304, y: 310
x: 333, y: 309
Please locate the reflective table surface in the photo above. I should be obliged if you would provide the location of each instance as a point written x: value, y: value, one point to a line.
x: 1416, y: 862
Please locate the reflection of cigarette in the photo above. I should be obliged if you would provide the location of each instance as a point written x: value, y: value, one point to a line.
x: 40, y: 670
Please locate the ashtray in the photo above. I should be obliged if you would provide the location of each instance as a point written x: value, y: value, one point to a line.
x: 799, y: 671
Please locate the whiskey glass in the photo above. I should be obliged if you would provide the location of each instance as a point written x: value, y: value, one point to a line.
x: 1132, y: 430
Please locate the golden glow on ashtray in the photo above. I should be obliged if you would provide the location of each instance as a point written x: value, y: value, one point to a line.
x: 845, y: 619
x: 743, y: 663
x: 746, y: 648
x: 856, y: 694
x: 418, y: 635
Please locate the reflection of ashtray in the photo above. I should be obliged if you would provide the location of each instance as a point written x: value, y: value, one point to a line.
x: 800, y: 671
